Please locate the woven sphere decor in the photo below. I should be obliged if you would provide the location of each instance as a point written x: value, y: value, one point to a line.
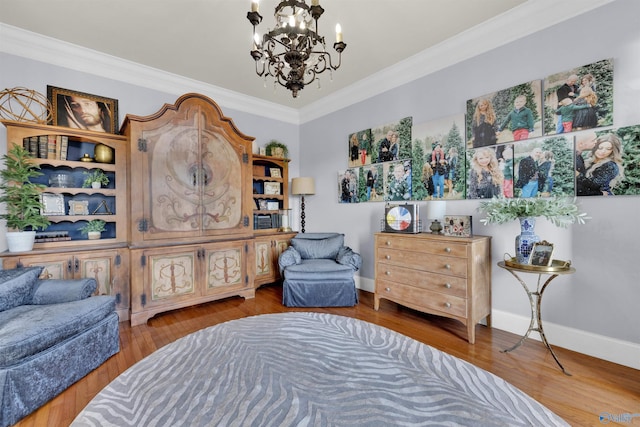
x: 24, y: 105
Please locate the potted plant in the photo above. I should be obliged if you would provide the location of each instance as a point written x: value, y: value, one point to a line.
x: 276, y: 149
x: 22, y: 199
x: 93, y: 229
x: 95, y: 179
x: 559, y: 211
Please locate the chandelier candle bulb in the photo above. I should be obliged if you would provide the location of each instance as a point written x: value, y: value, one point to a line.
x: 338, y: 33
x: 254, y: 6
x: 315, y: 2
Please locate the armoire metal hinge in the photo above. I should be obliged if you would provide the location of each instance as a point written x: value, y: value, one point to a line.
x: 245, y: 221
x: 118, y: 260
x: 245, y: 158
x: 143, y: 225
x: 118, y: 298
x: 143, y: 299
x: 143, y: 260
x: 142, y: 145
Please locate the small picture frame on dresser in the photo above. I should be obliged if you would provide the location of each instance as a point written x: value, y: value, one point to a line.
x: 457, y: 226
x: 541, y: 254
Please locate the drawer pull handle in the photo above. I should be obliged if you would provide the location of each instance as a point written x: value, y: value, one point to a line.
x: 447, y: 304
x: 388, y: 243
x: 388, y: 257
x: 387, y: 289
x: 447, y: 285
x: 388, y: 273
x: 447, y: 266
x: 447, y: 250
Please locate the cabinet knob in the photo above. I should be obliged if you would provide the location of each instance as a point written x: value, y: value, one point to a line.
x: 388, y: 273
x: 447, y: 266
x: 388, y: 257
x: 387, y: 289
x: 447, y: 304
x: 447, y: 285
x: 388, y: 243
x: 447, y: 250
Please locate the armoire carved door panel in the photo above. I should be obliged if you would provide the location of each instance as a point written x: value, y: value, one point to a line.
x: 190, y: 173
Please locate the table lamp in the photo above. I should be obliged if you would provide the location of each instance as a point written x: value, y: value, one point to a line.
x: 435, y: 211
x: 302, y: 186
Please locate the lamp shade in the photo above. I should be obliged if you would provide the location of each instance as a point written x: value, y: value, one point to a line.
x: 436, y: 209
x: 303, y: 185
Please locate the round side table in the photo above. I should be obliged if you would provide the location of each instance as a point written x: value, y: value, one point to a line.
x: 535, y: 298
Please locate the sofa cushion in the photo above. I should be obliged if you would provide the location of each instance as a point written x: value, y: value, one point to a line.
x: 30, y: 329
x: 53, y: 291
x: 320, y: 245
x: 318, y: 269
x: 16, y: 286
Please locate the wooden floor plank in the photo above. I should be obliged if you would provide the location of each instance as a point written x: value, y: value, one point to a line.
x: 596, y: 386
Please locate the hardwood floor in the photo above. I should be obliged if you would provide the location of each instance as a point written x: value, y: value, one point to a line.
x: 596, y: 386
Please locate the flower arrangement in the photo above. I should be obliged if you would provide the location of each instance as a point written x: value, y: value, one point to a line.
x: 559, y: 211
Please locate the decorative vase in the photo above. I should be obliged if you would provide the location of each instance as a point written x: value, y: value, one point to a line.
x: 526, y: 239
x: 96, y: 184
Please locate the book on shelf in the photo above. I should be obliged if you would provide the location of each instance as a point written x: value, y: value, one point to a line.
x: 33, y: 146
x: 58, y: 147
x: 64, y: 147
x: 51, y: 147
x: 43, y: 146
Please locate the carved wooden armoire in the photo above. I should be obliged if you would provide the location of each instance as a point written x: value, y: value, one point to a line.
x: 190, y: 207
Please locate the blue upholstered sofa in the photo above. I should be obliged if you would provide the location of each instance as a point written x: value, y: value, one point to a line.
x: 318, y: 271
x: 51, y: 335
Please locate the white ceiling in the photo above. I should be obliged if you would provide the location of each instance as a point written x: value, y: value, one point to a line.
x: 209, y: 40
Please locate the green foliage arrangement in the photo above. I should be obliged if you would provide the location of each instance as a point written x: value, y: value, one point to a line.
x: 96, y: 175
x: 93, y: 225
x: 559, y: 211
x: 276, y: 144
x: 21, y: 196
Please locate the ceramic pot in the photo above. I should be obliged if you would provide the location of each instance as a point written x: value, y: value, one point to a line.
x: 103, y: 154
x: 526, y: 239
x: 20, y: 241
x: 96, y: 185
x: 93, y: 235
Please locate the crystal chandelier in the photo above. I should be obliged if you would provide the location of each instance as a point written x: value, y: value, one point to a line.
x: 293, y: 53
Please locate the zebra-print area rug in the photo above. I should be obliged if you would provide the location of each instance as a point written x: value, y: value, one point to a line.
x: 308, y: 369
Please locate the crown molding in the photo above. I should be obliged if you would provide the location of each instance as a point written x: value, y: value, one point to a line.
x: 27, y: 44
x: 531, y: 17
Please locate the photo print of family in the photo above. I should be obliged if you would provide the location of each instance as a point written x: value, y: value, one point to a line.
x: 550, y: 137
x: 439, y: 164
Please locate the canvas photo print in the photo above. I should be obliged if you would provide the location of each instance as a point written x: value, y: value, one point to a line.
x: 579, y: 99
x: 439, y: 159
x: 348, y: 186
x: 607, y: 162
x: 397, y: 181
x: 392, y: 141
x: 360, y: 148
x: 512, y: 114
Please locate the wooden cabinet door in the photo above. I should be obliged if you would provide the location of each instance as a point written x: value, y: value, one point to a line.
x: 190, y: 174
x: 166, y: 276
x: 225, y: 267
x: 264, y: 260
x: 55, y: 266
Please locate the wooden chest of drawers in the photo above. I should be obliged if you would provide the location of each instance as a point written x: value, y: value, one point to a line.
x: 446, y: 276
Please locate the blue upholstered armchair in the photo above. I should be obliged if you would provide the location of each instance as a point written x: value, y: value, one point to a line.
x: 318, y: 271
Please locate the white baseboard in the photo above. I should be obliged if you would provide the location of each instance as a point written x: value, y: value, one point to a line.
x: 611, y: 349
x: 606, y: 348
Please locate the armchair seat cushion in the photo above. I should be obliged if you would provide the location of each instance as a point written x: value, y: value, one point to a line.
x: 318, y: 269
x: 29, y: 329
